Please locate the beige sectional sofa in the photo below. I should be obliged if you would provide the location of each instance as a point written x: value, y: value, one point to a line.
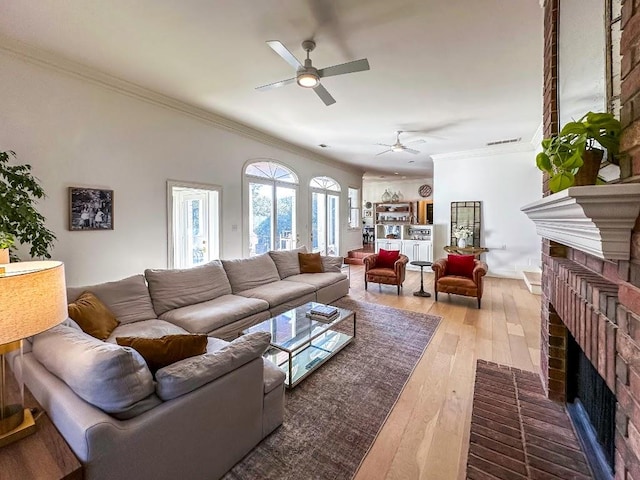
x: 198, y: 416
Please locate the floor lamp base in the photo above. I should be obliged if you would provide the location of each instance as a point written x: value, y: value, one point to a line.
x: 26, y: 428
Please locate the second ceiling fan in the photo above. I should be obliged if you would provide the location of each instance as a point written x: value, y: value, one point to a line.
x: 399, y: 146
x: 307, y: 75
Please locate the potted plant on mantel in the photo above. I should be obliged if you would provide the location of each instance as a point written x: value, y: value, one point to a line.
x: 19, y: 219
x: 572, y: 157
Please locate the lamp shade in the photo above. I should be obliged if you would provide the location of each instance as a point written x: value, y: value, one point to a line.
x: 33, y: 299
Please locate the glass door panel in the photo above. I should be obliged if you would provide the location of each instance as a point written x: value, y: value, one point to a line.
x: 285, y: 218
x: 333, y: 225
x: 318, y: 222
x: 261, y: 218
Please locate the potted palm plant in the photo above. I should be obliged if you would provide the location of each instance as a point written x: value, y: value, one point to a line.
x: 573, y: 157
x: 19, y: 219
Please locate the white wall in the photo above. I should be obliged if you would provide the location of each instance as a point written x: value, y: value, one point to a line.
x: 503, y: 182
x: 75, y: 132
x: 372, y: 189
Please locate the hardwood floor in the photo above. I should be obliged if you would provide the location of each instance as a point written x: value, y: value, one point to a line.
x: 427, y: 433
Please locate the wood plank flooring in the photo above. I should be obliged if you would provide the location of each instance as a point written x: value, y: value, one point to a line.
x: 426, y: 436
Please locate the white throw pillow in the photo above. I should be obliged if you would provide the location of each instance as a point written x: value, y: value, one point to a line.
x: 108, y: 376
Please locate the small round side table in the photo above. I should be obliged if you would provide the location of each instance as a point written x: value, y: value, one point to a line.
x: 421, y: 264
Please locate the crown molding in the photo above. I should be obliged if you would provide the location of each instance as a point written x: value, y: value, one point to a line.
x: 597, y: 220
x: 486, y: 151
x: 81, y: 71
x: 390, y: 179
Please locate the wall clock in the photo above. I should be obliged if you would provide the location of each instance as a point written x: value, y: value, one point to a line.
x: 425, y: 190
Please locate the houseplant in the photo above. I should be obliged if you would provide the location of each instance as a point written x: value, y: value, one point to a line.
x: 572, y: 157
x: 19, y: 219
x: 462, y: 232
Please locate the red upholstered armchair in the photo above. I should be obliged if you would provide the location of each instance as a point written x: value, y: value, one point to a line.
x: 469, y: 284
x: 376, y: 273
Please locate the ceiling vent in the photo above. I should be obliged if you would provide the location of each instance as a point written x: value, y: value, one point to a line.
x: 500, y: 142
x: 323, y: 145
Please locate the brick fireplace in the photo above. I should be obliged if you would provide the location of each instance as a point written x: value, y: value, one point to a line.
x: 597, y: 300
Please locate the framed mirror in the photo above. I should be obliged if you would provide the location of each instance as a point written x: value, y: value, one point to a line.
x: 466, y: 214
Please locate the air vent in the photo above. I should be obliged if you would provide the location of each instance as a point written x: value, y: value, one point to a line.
x: 500, y: 142
x: 323, y: 145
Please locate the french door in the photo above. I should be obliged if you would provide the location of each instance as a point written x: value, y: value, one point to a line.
x: 325, y: 226
x: 272, y: 224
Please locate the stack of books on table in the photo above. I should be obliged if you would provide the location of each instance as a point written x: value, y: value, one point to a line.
x: 323, y: 313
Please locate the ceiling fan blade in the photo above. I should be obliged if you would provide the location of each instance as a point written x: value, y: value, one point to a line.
x: 420, y: 140
x: 383, y: 144
x: 349, y: 67
x: 288, y: 57
x: 281, y: 83
x: 386, y: 151
x: 411, y: 150
x: 324, y: 95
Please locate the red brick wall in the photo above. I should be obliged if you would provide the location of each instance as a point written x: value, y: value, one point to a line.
x: 571, y: 279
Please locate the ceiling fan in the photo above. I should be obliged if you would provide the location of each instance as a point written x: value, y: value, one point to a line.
x: 399, y: 146
x: 307, y: 75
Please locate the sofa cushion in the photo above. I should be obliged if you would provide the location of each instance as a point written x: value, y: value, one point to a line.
x: 208, y: 316
x: 92, y: 316
x: 461, y: 265
x: 110, y: 377
x: 128, y: 298
x: 310, y: 263
x: 287, y: 261
x: 146, y: 329
x: 248, y: 273
x: 177, y: 288
x: 187, y: 375
x: 332, y: 264
x: 163, y: 351
x: 317, y: 280
x: 279, y: 292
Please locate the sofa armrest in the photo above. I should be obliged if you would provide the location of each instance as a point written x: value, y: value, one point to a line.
x: 370, y: 261
x: 439, y: 267
x: 479, y: 270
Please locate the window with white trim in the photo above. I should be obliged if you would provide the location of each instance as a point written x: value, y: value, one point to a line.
x: 354, y: 208
x: 325, y: 215
x: 272, y: 191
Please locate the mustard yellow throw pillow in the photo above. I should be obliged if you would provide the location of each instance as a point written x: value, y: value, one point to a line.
x: 93, y: 316
x: 310, y: 263
x: 163, y: 351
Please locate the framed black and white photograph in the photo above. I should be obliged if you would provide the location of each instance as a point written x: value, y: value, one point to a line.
x: 90, y: 209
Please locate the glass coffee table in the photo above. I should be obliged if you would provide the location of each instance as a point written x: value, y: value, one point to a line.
x: 299, y: 345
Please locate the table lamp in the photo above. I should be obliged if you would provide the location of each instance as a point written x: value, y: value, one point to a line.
x: 32, y: 299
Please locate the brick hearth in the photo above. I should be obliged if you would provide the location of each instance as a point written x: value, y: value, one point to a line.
x: 517, y: 432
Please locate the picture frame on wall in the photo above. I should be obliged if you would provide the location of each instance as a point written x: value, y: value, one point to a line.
x: 90, y: 209
x: 367, y: 213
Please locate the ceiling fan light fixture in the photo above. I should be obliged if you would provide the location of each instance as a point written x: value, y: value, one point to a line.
x: 397, y: 148
x: 308, y: 80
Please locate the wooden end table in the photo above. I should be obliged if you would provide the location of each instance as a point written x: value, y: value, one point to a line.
x: 421, y: 264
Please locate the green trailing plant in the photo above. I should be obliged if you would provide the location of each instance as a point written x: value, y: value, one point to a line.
x: 19, y: 219
x: 561, y: 155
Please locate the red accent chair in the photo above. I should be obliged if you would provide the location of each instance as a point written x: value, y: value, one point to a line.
x: 382, y: 274
x: 470, y: 286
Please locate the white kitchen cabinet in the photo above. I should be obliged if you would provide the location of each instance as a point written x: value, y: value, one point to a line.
x: 417, y: 250
x: 388, y: 244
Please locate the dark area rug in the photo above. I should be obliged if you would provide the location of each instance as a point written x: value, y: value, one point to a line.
x: 517, y: 433
x: 334, y: 415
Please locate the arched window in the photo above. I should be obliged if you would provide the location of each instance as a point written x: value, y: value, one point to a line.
x: 325, y: 215
x: 272, y: 189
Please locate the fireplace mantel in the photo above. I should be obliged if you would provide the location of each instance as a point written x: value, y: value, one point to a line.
x: 594, y: 219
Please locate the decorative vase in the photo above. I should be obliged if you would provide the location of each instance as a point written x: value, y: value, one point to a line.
x: 4, y: 255
x: 462, y: 242
x: 386, y: 196
x: 395, y: 197
x: 588, y: 172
